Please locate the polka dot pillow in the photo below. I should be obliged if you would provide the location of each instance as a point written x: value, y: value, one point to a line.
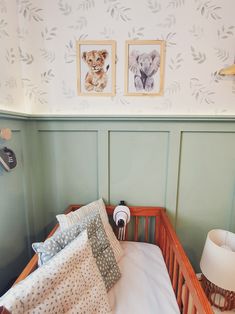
x: 68, y: 283
x: 101, y: 248
x: 49, y: 248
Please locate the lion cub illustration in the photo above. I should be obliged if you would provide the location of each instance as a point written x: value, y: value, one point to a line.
x: 96, y: 79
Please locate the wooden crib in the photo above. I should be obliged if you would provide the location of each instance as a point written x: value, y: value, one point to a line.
x: 188, y: 291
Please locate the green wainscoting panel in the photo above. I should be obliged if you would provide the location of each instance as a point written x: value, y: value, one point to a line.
x: 138, y: 167
x: 68, y: 170
x: 186, y: 164
x: 206, y: 188
x: 14, y: 232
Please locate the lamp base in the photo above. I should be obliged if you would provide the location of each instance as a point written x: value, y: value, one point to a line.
x: 218, y: 297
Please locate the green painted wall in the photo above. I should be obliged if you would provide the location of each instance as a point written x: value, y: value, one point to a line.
x: 15, y: 234
x: 206, y: 187
x: 184, y: 164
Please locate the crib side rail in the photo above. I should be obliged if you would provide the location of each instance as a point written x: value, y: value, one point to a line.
x: 188, y: 291
x: 182, y: 275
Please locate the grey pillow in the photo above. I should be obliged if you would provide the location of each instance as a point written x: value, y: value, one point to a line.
x: 49, y: 248
x: 101, y: 248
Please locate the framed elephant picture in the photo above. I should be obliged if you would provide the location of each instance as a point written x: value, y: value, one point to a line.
x: 96, y: 73
x: 144, y: 69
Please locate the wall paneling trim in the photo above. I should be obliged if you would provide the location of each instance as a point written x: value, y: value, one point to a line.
x: 185, y: 164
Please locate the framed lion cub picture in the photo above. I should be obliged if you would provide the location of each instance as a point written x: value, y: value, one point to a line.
x: 96, y: 73
x: 144, y: 69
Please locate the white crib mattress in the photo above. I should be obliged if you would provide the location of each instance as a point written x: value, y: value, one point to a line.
x: 145, y: 285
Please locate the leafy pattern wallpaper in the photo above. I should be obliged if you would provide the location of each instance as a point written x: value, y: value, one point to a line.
x: 38, y: 54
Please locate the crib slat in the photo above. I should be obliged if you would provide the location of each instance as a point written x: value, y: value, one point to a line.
x: 126, y: 233
x: 136, y: 228
x: 186, y: 299
x: 157, y: 231
x: 175, y: 274
x: 162, y: 241
x: 165, y: 243
x: 194, y: 310
x: 166, y: 250
x: 146, y: 228
x: 179, y: 289
x: 167, y: 253
x: 171, y: 263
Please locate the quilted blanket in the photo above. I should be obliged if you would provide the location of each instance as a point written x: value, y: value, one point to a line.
x: 69, y: 283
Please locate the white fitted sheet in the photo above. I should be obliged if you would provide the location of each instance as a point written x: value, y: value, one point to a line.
x: 145, y: 286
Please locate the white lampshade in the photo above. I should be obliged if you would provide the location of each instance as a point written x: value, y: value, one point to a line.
x: 218, y: 259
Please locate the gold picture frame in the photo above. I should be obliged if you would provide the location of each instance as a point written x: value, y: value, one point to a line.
x: 96, y: 67
x: 144, y: 67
